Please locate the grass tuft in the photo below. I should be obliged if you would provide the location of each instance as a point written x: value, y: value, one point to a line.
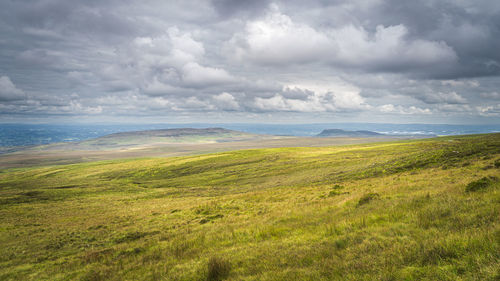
x: 480, y: 184
x: 367, y: 198
x: 218, y: 269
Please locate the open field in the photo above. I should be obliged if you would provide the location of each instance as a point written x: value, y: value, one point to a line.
x: 400, y: 210
x: 93, y: 150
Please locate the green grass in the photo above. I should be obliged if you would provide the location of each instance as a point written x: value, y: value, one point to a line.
x: 387, y: 211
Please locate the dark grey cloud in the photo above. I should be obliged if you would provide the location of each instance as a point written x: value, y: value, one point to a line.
x: 296, y: 59
x: 9, y: 91
x: 230, y: 8
x: 471, y: 28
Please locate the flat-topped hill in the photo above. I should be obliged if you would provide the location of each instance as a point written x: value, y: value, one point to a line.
x: 182, y: 135
x: 344, y: 133
x: 182, y: 132
x: 151, y: 139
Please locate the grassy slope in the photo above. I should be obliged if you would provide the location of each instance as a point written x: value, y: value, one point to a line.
x: 389, y: 211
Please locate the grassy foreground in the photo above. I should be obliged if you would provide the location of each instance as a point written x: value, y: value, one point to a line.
x: 407, y: 210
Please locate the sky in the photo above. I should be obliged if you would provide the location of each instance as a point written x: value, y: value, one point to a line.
x: 127, y: 61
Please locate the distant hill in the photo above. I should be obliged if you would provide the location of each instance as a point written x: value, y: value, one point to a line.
x: 169, y: 133
x: 344, y: 133
x: 168, y: 136
x: 149, y: 139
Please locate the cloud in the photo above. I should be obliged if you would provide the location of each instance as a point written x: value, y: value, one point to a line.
x: 449, y: 98
x: 368, y: 60
x: 491, y: 95
x: 229, y: 8
x: 388, y: 49
x: 277, y: 40
x: 310, y: 101
x: 225, y: 101
x: 279, y: 103
x: 169, y: 63
x: 9, y: 91
x: 196, y: 75
x: 171, y: 48
x: 489, y: 110
x: 156, y: 88
x: 194, y: 103
x: 390, y: 108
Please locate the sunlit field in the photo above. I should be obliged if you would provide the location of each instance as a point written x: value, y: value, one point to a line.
x: 401, y: 210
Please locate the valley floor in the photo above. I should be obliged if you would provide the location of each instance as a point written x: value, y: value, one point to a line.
x: 71, y: 153
x: 401, y: 210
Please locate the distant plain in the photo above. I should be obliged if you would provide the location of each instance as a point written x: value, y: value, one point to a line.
x: 135, y: 145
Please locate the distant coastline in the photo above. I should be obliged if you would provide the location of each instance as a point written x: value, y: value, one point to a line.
x: 39, y: 134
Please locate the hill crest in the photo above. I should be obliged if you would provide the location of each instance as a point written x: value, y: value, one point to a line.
x: 345, y: 133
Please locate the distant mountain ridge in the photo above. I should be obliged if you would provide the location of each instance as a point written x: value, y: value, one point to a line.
x: 344, y: 133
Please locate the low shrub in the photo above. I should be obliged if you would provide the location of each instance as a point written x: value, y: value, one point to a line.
x: 337, y: 186
x: 218, y: 269
x: 336, y: 190
x: 480, y: 184
x: 131, y: 236
x: 367, y: 198
x: 334, y: 193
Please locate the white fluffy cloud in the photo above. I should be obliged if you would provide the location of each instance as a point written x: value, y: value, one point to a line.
x: 277, y: 39
x: 399, y: 109
x: 489, y: 110
x: 172, y: 48
x: 195, y: 75
x: 317, y: 100
x: 279, y: 103
x: 388, y: 48
x: 172, y: 64
x: 225, y: 101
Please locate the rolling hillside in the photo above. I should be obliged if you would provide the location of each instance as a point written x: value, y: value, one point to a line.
x: 401, y: 210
